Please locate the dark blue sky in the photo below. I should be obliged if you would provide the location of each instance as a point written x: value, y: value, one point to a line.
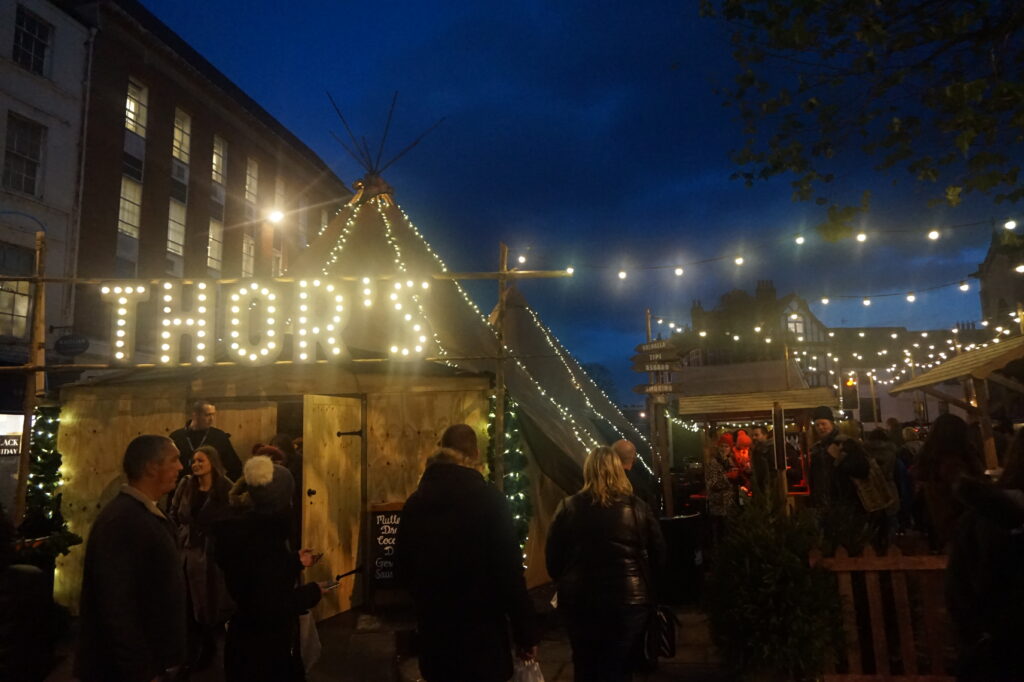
x: 585, y: 135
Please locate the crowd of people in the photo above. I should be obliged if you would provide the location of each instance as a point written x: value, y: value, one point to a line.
x: 177, y: 559
x: 892, y: 481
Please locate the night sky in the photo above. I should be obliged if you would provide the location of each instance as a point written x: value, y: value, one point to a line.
x: 586, y: 135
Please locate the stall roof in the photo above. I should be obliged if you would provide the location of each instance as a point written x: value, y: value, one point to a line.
x: 751, y: 377
x: 749, y: 403
x: 979, y: 363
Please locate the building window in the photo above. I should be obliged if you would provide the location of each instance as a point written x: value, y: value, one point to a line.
x: 176, y: 228
x: 215, y: 246
x: 252, y: 178
x: 15, y: 296
x: 135, y: 107
x: 129, y: 216
x: 181, y: 141
x: 32, y: 40
x: 795, y: 324
x: 23, y: 155
x: 277, y: 263
x: 218, y: 163
x: 248, y: 255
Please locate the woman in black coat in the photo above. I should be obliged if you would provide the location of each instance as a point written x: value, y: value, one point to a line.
x: 199, y: 501
x: 262, y: 575
x: 602, y: 549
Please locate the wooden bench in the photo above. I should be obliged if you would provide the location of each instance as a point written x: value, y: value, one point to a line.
x: 914, y: 608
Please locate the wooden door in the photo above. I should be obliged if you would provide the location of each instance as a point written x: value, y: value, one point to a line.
x: 331, y: 495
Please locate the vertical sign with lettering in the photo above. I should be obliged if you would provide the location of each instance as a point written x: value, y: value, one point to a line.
x: 384, y: 520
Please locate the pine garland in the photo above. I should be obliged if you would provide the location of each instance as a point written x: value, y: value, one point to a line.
x: 516, y: 482
x: 43, y: 517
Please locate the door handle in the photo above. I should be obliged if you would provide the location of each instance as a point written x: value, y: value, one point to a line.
x: 350, y: 433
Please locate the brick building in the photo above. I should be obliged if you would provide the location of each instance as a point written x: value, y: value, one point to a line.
x: 185, y: 174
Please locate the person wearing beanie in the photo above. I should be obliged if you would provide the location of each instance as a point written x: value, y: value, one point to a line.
x: 820, y: 475
x: 261, y: 574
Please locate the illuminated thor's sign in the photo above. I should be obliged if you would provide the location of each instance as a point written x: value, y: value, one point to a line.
x: 251, y: 322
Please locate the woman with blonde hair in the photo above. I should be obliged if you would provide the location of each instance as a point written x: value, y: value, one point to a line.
x: 603, y: 548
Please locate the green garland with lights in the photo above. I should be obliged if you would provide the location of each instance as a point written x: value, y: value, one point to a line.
x: 516, y: 482
x: 44, y: 527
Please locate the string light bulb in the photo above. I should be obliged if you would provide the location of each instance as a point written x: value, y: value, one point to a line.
x: 964, y: 286
x: 933, y: 235
x: 679, y: 272
x: 570, y: 269
x: 521, y: 259
x: 866, y: 301
x: 622, y: 274
x: 862, y: 237
x: 1010, y: 224
x: 824, y: 300
x: 911, y: 297
x: 738, y: 260
x: 799, y: 239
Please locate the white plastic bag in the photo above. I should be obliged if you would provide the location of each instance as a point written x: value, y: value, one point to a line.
x: 309, y: 641
x: 527, y: 671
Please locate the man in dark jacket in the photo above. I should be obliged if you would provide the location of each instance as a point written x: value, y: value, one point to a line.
x: 199, y: 430
x: 457, y: 553
x: 821, y: 462
x: 133, y: 588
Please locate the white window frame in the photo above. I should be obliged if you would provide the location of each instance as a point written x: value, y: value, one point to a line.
x: 181, y: 141
x: 176, y: 215
x: 32, y: 34
x: 136, y: 107
x: 219, y: 159
x: 248, y: 255
x: 252, y: 179
x: 215, y: 246
x: 129, y: 215
x: 23, y: 156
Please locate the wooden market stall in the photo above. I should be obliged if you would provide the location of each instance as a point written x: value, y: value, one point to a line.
x: 973, y: 373
x: 370, y: 409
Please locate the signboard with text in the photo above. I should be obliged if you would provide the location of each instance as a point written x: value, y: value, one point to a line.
x: 384, y: 522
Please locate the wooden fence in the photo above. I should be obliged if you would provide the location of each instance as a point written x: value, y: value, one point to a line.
x: 894, y: 617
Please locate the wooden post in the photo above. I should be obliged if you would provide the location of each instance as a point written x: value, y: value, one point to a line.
x: 876, y: 409
x: 985, y: 422
x: 499, y: 374
x: 35, y: 380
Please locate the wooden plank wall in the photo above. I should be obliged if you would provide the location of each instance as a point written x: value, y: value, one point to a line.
x: 247, y: 424
x: 331, y: 517
x: 97, y: 423
x: 403, y: 430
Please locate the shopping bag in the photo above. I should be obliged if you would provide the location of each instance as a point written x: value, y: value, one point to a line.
x: 658, y: 640
x: 527, y: 671
x: 309, y: 641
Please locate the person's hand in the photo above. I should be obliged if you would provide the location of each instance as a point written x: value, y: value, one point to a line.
x: 308, y: 558
x: 527, y: 654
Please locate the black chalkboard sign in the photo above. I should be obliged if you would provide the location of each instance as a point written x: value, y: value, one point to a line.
x: 384, y: 521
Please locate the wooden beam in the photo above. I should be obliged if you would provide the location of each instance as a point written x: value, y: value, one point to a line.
x: 963, y: 405
x: 985, y: 422
x: 1007, y: 382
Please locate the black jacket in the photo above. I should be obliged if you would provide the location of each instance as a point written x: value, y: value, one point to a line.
x: 261, y: 572
x: 188, y: 440
x: 133, y: 596
x: 604, y: 555
x: 458, y: 555
x: 985, y: 584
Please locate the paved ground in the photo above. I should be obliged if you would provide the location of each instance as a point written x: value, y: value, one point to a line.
x: 364, y: 648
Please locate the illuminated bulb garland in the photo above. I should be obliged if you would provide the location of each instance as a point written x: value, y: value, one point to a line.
x: 126, y: 300
x: 254, y: 313
x: 515, y: 482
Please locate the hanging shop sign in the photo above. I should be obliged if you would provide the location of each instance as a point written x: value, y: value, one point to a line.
x: 71, y: 345
x: 256, y: 316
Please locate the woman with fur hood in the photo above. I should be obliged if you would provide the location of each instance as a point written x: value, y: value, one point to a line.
x: 261, y: 573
